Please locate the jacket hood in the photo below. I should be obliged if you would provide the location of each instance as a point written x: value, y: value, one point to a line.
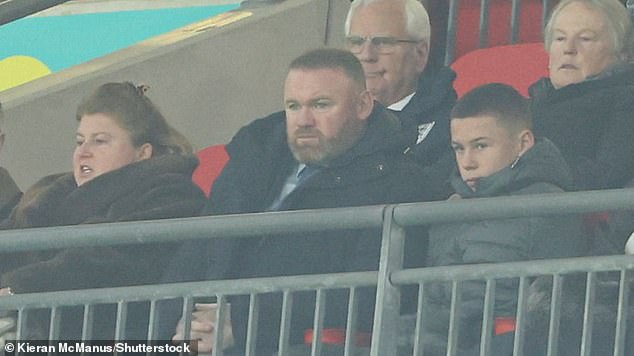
x: 543, y: 163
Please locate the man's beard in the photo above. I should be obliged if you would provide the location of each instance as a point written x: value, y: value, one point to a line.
x: 325, y: 149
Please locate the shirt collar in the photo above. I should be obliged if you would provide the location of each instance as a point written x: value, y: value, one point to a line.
x: 399, y: 105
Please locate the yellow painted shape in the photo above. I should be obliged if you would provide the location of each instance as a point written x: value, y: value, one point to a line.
x: 17, y: 70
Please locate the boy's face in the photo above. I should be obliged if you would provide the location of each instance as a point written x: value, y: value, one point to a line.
x: 483, y: 147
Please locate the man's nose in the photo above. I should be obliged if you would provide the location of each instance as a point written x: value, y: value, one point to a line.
x: 305, y: 117
x: 570, y: 46
x: 84, y: 150
x: 468, y: 161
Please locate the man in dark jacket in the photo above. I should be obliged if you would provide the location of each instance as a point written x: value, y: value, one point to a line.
x: 351, y: 150
x: 391, y: 38
x: 497, y: 155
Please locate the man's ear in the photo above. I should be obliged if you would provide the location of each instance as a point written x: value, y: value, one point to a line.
x: 526, y: 140
x: 145, y: 151
x: 365, y: 105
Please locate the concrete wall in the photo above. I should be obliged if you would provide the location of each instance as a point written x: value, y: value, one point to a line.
x: 208, y: 83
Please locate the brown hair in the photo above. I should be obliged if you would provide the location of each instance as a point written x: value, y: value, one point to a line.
x: 498, y: 100
x: 128, y: 105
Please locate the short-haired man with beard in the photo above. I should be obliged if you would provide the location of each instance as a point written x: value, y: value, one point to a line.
x: 332, y: 146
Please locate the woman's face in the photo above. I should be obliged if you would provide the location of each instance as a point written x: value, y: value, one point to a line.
x: 103, y: 146
x: 581, y: 45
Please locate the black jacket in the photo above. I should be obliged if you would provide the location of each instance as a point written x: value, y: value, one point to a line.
x: 156, y: 188
x: 10, y: 194
x: 432, y: 103
x: 540, y: 170
x: 374, y: 171
x: 592, y: 123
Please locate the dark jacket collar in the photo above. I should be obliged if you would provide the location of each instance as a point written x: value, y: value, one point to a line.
x: 383, y: 133
x: 615, y: 77
x: 435, y: 87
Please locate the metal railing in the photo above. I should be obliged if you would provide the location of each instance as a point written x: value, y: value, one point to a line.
x: 389, y: 279
x: 11, y: 10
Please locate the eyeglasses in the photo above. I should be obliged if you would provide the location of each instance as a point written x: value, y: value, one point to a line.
x: 382, y: 45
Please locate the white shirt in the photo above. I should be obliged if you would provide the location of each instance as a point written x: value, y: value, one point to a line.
x: 399, y: 105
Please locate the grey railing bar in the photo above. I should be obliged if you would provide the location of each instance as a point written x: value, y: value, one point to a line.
x: 454, y: 318
x: 545, y: 12
x: 318, y: 322
x: 621, y: 315
x: 285, y: 324
x: 588, y: 315
x: 311, y: 220
x: 89, y: 318
x: 252, y: 325
x: 15, y: 9
x: 452, y: 29
x: 152, y: 330
x: 20, y: 330
x: 487, y: 318
x: 514, y: 207
x: 122, y: 320
x: 54, y: 324
x: 522, y: 297
x: 555, y: 316
x: 419, y: 330
x: 188, y: 308
x: 239, y: 225
x: 484, y: 22
x: 351, y: 323
x: 387, y: 307
x: 200, y: 289
x: 516, y: 10
x: 513, y: 269
x: 221, y: 312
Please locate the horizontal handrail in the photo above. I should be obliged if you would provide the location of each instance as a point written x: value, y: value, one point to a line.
x: 515, y: 206
x: 192, y: 289
x: 245, y: 225
x: 170, y: 230
x: 514, y: 269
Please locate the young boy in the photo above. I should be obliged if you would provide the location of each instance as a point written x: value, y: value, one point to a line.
x: 496, y: 155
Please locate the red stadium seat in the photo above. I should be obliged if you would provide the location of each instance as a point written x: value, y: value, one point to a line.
x: 518, y: 65
x: 467, y: 36
x: 212, y: 161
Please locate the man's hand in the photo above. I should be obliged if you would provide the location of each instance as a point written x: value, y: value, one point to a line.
x: 204, y: 326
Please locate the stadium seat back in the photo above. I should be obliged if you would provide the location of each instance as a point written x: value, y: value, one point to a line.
x: 518, y: 65
x: 499, y: 31
x: 212, y: 161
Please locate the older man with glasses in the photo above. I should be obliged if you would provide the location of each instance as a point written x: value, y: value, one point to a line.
x: 391, y: 38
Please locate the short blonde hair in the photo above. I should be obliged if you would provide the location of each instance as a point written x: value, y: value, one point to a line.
x: 617, y: 18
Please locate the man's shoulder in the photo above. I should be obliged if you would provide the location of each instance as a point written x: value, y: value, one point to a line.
x: 260, y: 132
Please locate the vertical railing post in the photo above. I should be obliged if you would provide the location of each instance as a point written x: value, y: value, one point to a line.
x: 388, y: 296
x: 484, y: 23
x: 516, y: 10
x: 452, y: 29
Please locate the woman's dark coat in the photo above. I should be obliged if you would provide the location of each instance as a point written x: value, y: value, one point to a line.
x: 592, y: 123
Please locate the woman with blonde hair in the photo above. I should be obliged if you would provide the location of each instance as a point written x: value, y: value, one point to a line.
x: 585, y: 106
